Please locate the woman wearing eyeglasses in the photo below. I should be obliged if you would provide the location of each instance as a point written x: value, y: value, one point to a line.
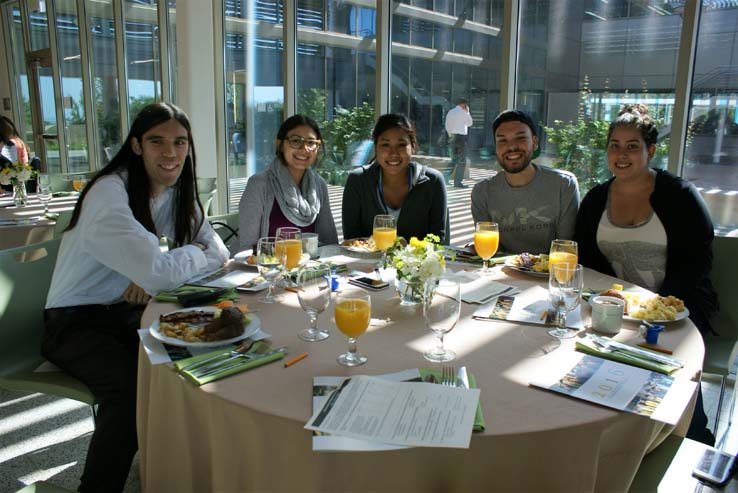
x: 289, y: 192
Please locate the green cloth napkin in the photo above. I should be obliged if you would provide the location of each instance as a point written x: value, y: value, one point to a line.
x: 258, y: 348
x: 64, y: 194
x: 171, y: 296
x: 437, y: 374
x: 500, y: 260
x: 631, y: 359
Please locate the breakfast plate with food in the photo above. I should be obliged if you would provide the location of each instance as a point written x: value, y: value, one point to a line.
x: 645, y: 305
x: 527, y: 263
x: 360, y: 245
x: 205, y: 326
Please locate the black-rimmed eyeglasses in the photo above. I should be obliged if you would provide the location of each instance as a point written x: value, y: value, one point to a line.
x: 296, y: 142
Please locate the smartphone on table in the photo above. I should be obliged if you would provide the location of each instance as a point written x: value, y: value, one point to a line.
x: 715, y: 467
x: 368, y: 283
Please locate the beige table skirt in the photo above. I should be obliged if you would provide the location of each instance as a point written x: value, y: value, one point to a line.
x: 245, y: 433
x: 36, y: 232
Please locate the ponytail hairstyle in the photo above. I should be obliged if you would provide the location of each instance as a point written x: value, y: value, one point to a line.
x: 187, y: 222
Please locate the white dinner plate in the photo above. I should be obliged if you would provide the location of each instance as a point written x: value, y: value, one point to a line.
x: 525, y: 270
x: 348, y: 245
x: 679, y: 316
x: 248, y: 330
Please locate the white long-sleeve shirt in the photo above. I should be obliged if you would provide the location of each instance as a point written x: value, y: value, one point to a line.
x: 458, y: 120
x: 108, y: 249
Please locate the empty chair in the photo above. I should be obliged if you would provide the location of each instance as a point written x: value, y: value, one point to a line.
x: 207, y: 188
x: 226, y: 226
x: 23, y: 289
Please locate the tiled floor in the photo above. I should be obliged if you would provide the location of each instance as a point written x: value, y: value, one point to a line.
x: 46, y: 438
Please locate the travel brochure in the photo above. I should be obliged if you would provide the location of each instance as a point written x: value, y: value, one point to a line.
x: 530, y: 307
x: 385, y: 413
x: 624, y: 387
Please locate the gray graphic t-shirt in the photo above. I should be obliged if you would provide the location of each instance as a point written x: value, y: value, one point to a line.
x: 637, y: 254
x: 529, y: 217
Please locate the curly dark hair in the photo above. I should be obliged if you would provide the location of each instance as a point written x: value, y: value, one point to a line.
x: 636, y: 115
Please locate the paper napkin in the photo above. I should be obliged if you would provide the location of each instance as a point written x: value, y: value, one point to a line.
x: 479, y: 289
x: 479, y: 424
x: 245, y: 364
x: 586, y: 346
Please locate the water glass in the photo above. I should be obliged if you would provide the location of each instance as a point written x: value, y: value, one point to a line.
x: 43, y: 190
x: 314, y: 295
x: 565, y: 283
x: 269, y: 261
x: 353, y: 311
x: 441, y: 310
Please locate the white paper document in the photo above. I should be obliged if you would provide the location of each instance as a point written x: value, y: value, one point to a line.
x: 530, y: 307
x: 401, y: 413
x: 480, y: 289
x: 226, y: 278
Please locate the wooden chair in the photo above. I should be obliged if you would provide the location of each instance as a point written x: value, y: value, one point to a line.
x: 720, y: 351
x: 23, y: 290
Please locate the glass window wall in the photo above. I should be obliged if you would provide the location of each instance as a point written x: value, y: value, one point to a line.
x: 711, y: 154
x: 142, y: 54
x: 335, y: 85
x: 580, y: 62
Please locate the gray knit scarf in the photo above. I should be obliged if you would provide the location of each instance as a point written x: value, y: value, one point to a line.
x: 299, y: 206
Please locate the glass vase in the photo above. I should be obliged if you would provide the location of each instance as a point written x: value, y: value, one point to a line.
x: 20, y: 195
x: 410, y: 292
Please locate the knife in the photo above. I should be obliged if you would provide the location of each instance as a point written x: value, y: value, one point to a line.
x: 462, y: 378
x: 618, y: 346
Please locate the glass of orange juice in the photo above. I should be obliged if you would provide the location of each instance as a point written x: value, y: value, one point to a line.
x: 79, y: 183
x: 486, y: 242
x: 353, y: 311
x: 563, y: 252
x: 384, y: 233
x: 290, y: 239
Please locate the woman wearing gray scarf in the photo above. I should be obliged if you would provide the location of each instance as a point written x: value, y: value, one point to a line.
x: 289, y: 192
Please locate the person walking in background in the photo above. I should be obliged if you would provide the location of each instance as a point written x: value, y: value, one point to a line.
x: 532, y: 204
x: 458, y: 121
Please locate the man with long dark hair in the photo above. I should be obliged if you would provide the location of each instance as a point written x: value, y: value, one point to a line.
x: 110, y: 264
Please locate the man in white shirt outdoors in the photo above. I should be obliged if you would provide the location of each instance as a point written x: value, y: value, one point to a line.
x: 110, y: 264
x: 458, y: 121
x: 532, y: 204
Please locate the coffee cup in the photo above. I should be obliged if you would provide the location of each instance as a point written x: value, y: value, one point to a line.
x: 310, y: 244
x: 607, y: 314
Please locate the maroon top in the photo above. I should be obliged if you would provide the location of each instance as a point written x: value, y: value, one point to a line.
x: 278, y: 220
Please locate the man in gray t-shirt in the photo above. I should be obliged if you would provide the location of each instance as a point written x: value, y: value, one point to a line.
x: 532, y: 204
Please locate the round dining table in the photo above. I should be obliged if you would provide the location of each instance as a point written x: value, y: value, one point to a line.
x: 27, y: 225
x: 246, y: 432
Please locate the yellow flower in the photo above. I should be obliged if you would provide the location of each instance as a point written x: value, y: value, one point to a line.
x: 418, y: 244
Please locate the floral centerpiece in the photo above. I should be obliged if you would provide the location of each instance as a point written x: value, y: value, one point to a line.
x: 416, y: 263
x: 16, y: 174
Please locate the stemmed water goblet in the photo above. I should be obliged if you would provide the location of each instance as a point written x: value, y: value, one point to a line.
x: 384, y: 233
x: 353, y: 312
x: 314, y: 295
x: 441, y: 310
x: 43, y: 190
x: 565, y: 282
x: 486, y: 242
x: 269, y: 261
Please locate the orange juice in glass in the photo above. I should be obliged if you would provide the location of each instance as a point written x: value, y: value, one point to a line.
x: 384, y: 232
x: 353, y: 313
x: 486, y: 242
x: 563, y: 252
x: 79, y: 184
x: 290, y: 242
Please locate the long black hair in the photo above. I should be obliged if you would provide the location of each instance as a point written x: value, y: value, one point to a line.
x: 186, y: 222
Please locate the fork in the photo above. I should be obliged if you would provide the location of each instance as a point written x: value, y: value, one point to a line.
x: 448, y: 376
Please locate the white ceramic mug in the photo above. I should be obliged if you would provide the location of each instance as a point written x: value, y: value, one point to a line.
x: 310, y: 244
x: 607, y: 314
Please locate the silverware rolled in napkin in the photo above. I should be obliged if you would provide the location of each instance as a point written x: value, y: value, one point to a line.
x: 222, y: 368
